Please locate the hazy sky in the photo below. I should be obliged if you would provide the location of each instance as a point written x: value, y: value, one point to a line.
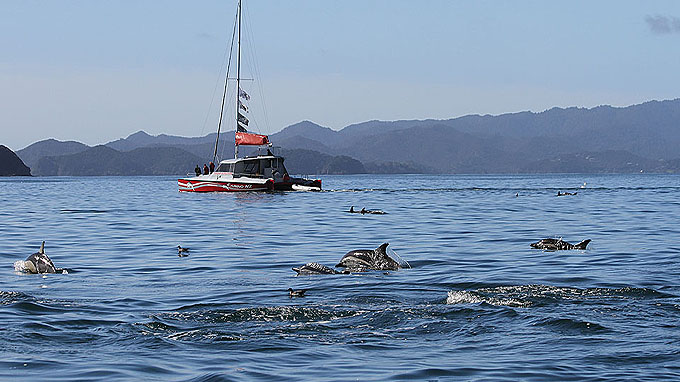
x: 98, y: 70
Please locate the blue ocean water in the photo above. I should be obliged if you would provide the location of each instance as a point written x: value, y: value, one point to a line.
x: 477, y: 304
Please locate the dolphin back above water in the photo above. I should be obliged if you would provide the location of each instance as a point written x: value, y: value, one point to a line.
x: 558, y: 244
x: 38, y: 262
x: 316, y: 269
x: 369, y: 259
x: 365, y: 211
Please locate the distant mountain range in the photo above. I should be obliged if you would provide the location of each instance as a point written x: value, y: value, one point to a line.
x: 603, y: 139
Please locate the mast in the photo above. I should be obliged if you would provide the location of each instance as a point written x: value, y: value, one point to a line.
x: 238, y: 73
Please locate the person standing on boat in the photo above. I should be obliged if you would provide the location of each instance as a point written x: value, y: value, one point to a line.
x: 205, y: 169
x: 197, y: 170
x: 212, y: 167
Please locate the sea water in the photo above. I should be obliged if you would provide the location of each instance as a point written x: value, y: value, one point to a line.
x: 477, y: 304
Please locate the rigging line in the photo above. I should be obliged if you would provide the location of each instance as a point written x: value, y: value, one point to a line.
x: 224, y: 93
x: 238, y: 74
x: 228, y: 115
x: 247, y: 65
x: 253, y: 58
x: 212, y: 96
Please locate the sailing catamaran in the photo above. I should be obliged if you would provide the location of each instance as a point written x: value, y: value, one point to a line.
x: 262, y: 172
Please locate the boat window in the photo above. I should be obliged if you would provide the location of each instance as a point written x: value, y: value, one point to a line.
x: 251, y: 167
x: 225, y: 167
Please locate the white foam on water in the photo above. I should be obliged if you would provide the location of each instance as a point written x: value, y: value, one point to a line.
x: 468, y: 297
x: 395, y: 256
x: 463, y: 297
x: 20, y: 266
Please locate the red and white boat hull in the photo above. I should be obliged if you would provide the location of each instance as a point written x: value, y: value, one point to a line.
x: 261, y: 173
x: 218, y: 185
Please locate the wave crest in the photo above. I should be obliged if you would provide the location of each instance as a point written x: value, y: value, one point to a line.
x: 527, y: 295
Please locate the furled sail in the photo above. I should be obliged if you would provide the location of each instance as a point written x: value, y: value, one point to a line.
x: 251, y: 139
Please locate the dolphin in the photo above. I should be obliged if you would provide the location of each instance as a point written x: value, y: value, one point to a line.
x: 374, y: 212
x: 368, y: 259
x: 365, y: 211
x: 39, y: 262
x: 316, y: 269
x: 558, y: 244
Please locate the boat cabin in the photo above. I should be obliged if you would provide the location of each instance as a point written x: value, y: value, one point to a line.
x: 254, y: 167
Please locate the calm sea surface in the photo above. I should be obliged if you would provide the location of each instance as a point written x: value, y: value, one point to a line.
x: 477, y: 304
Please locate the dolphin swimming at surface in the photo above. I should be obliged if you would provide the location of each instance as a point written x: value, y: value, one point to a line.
x: 364, y: 211
x: 38, y: 262
x: 316, y: 269
x: 374, y: 212
x: 369, y: 259
x: 559, y: 244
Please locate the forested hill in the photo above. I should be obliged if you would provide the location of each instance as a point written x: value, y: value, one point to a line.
x: 643, y: 137
x: 168, y: 160
x: 11, y: 164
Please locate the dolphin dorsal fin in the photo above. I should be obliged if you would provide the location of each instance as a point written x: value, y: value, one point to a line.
x: 42, y: 248
x: 382, y: 248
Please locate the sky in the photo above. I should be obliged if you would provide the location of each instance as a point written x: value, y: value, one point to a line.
x: 96, y: 71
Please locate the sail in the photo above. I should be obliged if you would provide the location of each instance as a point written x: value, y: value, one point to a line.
x: 251, y: 139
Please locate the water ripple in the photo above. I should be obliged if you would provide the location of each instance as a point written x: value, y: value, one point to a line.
x: 477, y: 304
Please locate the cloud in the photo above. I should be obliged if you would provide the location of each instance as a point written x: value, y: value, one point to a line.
x: 663, y: 24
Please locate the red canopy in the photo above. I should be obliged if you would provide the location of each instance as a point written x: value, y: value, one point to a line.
x: 251, y: 139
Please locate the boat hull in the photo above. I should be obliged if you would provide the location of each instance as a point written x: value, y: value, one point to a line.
x: 227, y: 182
x: 212, y: 185
x: 216, y: 185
